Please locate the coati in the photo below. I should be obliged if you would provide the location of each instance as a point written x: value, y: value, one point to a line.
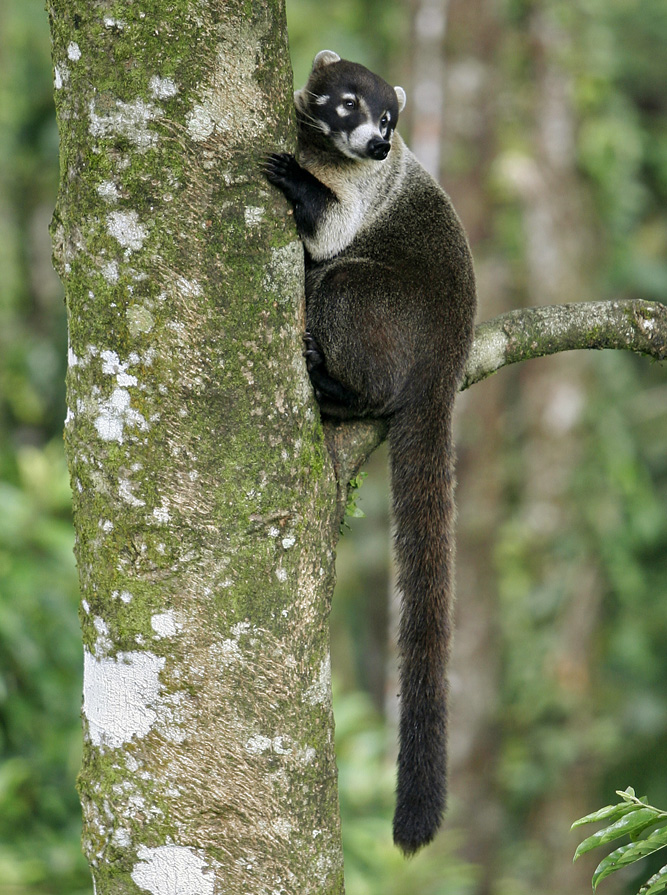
x: 390, y: 302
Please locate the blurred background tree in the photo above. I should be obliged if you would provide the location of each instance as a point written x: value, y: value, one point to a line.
x: 547, y: 122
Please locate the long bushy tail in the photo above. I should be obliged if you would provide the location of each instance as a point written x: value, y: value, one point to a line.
x: 421, y: 456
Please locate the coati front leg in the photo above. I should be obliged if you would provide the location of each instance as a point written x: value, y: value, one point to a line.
x: 308, y: 196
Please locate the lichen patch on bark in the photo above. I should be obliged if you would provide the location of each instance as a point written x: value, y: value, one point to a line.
x: 173, y: 870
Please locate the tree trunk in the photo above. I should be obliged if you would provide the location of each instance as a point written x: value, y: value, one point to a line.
x: 205, y: 503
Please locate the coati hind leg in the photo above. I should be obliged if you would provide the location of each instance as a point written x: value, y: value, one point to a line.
x: 333, y: 397
x: 354, y: 314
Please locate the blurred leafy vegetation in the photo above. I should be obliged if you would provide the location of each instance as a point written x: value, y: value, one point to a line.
x: 366, y: 784
x: 40, y: 652
x: 618, y: 492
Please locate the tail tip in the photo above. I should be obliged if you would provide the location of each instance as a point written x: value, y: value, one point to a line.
x: 414, y: 831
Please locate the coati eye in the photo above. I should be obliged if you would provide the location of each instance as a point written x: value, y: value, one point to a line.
x: 350, y: 103
x: 384, y: 121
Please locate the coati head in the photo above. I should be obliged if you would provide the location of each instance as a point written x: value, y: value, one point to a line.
x: 347, y: 107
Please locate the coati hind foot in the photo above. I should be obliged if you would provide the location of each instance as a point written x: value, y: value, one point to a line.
x: 327, y: 390
x: 312, y: 352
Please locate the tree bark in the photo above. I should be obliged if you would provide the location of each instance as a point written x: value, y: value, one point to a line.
x: 205, y: 503
x: 633, y: 324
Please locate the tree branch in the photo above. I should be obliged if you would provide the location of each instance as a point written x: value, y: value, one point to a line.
x: 632, y: 325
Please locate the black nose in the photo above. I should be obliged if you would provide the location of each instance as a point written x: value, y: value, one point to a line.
x: 378, y: 148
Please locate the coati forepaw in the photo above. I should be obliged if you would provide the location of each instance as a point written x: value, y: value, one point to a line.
x: 312, y: 352
x: 280, y: 168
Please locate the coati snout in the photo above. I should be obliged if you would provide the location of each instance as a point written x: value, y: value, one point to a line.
x: 378, y: 148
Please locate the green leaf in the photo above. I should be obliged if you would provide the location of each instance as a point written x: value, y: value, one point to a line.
x: 630, y: 823
x: 657, y: 883
x: 351, y: 509
x: 628, y: 854
x: 610, y: 812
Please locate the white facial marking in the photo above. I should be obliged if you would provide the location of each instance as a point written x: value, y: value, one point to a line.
x: 358, y: 139
x: 322, y: 100
x: 343, y: 111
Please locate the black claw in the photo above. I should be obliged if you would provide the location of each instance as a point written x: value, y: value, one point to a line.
x: 312, y: 352
x: 278, y: 167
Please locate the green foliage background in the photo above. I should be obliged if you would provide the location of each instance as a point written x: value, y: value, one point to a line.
x: 618, y: 490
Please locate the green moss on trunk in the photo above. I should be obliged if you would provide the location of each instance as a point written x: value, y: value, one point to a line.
x: 203, y: 494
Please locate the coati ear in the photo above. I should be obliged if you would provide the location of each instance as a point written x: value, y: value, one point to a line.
x: 401, y: 97
x: 325, y: 57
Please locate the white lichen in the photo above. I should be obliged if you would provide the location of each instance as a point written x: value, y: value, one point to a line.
x: 165, y: 624
x: 282, y: 827
x: 60, y: 76
x: 124, y: 226
x: 173, y: 870
x: 161, y: 514
x: 121, y: 837
x: 139, y: 320
x: 172, y: 721
x: 119, y: 696
x: 259, y: 744
x: 162, y: 88
x: 110, y: 272
x: 306, y: 755
x: 279, y: 278
x: 109, y: 22
x: 318, y: 692
x: 188, y: 287
x: 200, y: 124
x: 227, y: 653
x: 115, y: 414
x: 253, y: 215
x: 73, y: 51
x: 129, y: 120
x: 108, y: 191
x: 103, y: 642
x: 112, y: 366
x: 126, y: 493
x: 256, y: 745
